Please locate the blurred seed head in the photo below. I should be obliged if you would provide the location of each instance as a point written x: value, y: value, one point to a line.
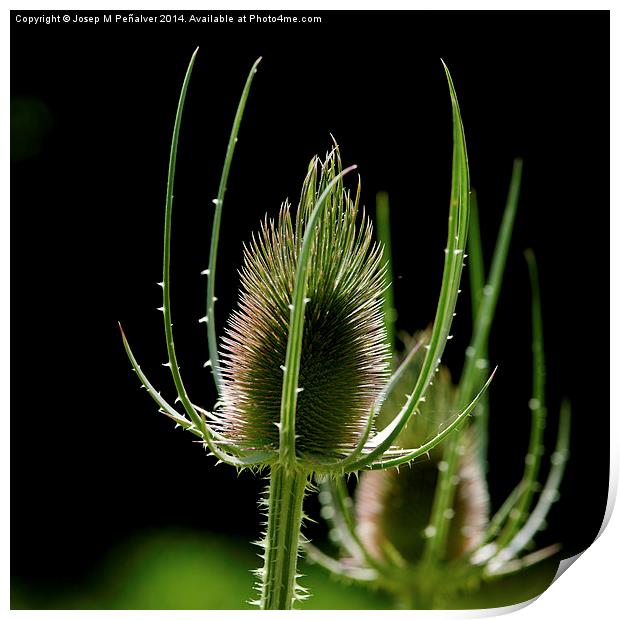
x: 394, y: 507
x: 344, y: 361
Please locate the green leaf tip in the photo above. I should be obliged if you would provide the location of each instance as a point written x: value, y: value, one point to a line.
x: 343, y: 360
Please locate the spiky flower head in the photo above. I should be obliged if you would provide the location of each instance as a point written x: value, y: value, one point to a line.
x: 394, y: 508
x: 344, y: 360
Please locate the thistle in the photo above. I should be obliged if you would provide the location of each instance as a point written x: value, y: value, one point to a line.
x: 426, y: 532
x: 344, y: 360
x: 303, y: 368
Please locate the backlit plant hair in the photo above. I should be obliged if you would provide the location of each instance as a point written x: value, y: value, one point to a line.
x: 303, y: 370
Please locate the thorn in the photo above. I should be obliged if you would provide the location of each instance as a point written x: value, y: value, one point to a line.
x: 162, y: 309
x: 430, y: 531
x: 207, y: 364
x: 204, y: 272
x: 160, y: 284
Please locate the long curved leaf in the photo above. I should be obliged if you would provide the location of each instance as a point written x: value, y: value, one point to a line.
x: 458, y: 224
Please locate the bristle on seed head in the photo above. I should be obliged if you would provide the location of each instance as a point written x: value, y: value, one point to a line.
x: 344, y: 360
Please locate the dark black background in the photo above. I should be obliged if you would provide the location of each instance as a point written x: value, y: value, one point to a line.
x: 92, y: 461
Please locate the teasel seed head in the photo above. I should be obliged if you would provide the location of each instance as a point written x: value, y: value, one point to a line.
x: 394, y: 507
x: 344, y: 361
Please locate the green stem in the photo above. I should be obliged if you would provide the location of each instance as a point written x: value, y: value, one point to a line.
x: 476, y: 260
x: 420, y: 596
x: 520, y: 512
x: 384, y: 236
x: 286, y: 494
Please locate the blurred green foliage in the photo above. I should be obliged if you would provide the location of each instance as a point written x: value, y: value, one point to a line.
x: 31, y: 121
x: 190, y: 570
x: 183, y: 570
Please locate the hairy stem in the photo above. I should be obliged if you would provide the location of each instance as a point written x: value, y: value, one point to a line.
x: 286, y: 494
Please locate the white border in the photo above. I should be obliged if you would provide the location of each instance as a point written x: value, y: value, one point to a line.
x: 590, y: 586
